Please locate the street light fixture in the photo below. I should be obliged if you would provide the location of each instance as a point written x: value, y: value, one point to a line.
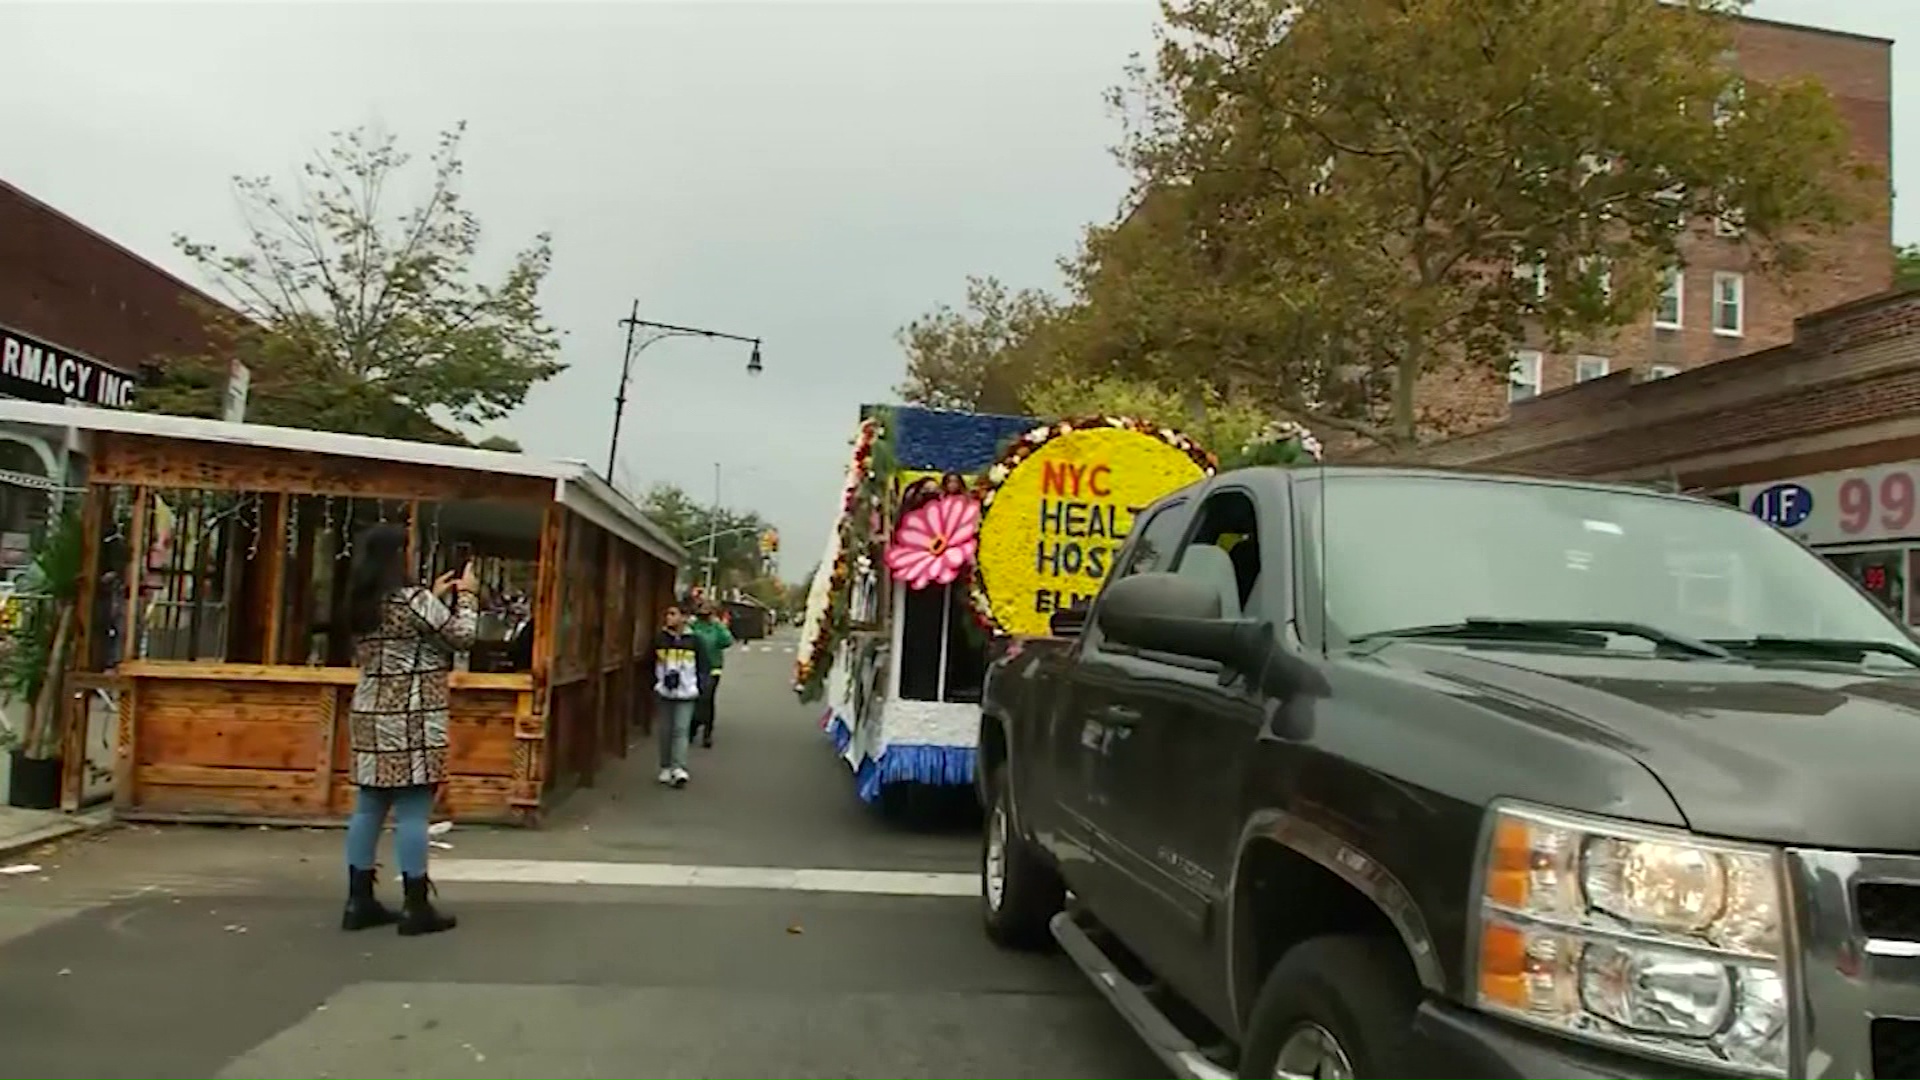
x: 661, y: 331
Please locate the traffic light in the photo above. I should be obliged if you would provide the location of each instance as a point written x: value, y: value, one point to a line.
x: 770, y: 542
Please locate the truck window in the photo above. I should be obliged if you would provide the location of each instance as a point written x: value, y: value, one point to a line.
x: 1158, y: 538
x: 1225, y: 552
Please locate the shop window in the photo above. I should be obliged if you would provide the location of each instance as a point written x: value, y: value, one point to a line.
x: 1881, y: 572
x: 1913, y: 586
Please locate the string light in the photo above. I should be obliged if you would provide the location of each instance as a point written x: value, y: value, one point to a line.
x: 253, y: 543
x: 293, y: 525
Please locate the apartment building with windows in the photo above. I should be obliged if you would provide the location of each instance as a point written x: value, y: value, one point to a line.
x: 1717, y: 305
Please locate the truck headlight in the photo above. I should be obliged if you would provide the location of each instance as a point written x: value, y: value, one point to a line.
x: 1642, y: 939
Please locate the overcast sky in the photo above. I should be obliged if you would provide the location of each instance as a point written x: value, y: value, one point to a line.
x: 812, y: 174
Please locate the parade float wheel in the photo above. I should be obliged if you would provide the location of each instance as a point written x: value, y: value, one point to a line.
x: 1019, y: 891
x: 1336, y: 1008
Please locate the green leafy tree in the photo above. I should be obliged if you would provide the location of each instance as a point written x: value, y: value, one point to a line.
x: 1220, y: 423
x: 1346, y: 197
x: 354, y: 317
x: 973, y: 358
x: 736, y: 543
x: 499, y: 442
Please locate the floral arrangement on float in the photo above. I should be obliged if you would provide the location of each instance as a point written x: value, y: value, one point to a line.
x: 937, y: 534
x: 862, y: 502
x: 1056, y: 508
x: 1285, y: 443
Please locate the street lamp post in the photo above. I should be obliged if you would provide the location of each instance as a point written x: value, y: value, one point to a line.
x: 661, y: 331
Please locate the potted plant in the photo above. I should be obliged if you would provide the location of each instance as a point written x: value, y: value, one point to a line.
x: 35, y: 641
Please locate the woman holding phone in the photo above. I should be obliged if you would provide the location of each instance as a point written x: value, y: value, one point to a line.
x: 405, y: 638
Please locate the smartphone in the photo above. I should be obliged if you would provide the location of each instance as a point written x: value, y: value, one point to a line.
x: 462, y: 557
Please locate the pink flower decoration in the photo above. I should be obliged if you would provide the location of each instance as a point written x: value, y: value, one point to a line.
x: 935, y: 541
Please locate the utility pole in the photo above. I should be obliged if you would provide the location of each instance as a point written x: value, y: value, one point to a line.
x: 620, y: 398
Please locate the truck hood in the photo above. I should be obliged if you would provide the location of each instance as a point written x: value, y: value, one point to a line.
x: 1805, y: 756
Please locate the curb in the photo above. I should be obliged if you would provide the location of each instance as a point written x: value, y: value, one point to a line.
x: 74, y: 825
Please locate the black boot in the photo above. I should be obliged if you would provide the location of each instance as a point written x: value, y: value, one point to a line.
x: 417, y: 915
x: 364, y: 909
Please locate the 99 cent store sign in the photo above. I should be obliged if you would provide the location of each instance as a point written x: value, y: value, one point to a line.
x: 1852, y: 507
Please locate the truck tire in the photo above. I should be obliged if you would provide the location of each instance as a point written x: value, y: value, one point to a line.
x: 1019, y: 892
x: 1336, y: 1006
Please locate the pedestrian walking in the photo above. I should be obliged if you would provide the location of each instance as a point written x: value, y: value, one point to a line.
x: 406, y: 636
x: 715, y: 639
x: 679, y: 671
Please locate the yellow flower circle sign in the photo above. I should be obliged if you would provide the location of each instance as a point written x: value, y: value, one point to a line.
x: 1058, y: 509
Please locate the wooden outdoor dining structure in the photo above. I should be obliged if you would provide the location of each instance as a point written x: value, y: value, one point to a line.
x: 212, y: 611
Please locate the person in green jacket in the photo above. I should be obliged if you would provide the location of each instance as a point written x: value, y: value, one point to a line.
x: 714, y: 638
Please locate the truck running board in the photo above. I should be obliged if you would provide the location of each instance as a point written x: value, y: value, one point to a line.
x: 1178, y: 1052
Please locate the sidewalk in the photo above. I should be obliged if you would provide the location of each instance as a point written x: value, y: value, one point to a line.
x: 24, y: 829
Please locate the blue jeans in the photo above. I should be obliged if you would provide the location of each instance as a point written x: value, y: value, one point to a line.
x: 676, y: 723
x: 411, y: 807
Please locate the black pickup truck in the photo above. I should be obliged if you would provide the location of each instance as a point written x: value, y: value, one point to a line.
x: 1358, y: 772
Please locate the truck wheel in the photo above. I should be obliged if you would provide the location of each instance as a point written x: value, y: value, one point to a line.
x: 1019, y: 892
x: 1337, y: 1008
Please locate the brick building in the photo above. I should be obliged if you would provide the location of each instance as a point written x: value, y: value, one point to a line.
x: 1820, y: 436
x: 82, y: 320
x: 80, y: 300
x: 1719, y: 307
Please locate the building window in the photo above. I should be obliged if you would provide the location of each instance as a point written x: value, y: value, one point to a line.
x: 1596, y: 269
x: 1729, y: 304
x: 1523, y: 375
x: 1588, y: 368
x: 1671, y: 309
x: 1662, y: 371
x: 1533, y: 278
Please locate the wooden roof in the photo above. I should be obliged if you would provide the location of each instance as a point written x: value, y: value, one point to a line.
x: 576, y: 486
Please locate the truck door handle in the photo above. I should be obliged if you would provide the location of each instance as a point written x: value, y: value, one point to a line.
x: 1121, y: 716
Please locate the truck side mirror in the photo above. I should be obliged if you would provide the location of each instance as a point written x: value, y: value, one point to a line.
x: 1179, y: 615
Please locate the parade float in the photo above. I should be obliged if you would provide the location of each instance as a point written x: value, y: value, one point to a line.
x: 954, y: 529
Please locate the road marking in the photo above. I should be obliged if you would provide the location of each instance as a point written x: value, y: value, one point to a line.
x: 677, y: 876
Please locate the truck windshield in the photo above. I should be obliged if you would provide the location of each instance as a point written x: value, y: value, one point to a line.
x: 1425, y: 551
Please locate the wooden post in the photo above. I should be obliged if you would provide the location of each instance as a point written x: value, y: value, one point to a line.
x: 531, y: 728
x: 413, y: 536
x: 329, y: 720
x: 273, y: 528
x: 136, y: 573
x: 299, y: 606
x: 125, y: 775
x: 73, y: 737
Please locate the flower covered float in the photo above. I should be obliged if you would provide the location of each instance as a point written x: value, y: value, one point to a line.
x: 1058, y: 505
x: 935, y: 541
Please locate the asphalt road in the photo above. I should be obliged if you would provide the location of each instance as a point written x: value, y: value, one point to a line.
x: 643, y: 933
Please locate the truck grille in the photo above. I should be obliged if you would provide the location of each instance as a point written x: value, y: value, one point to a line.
x: 1858, y: 929
x: 1888, y: 911
x: 1896, y: 1048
